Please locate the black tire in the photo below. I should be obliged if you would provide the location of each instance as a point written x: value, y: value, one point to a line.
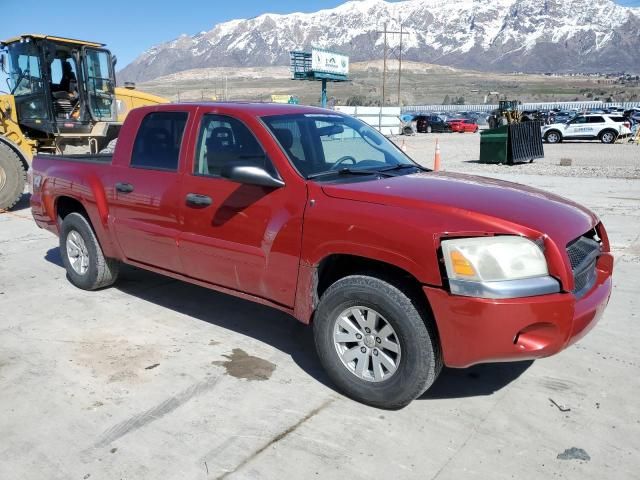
x: 13, y: 177
x: 101, y: 271
x: 608, y: 136
x: 553, y: 136
x: 420, y: 362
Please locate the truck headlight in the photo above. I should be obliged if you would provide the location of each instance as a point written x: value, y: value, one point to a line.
x: 497, y: 267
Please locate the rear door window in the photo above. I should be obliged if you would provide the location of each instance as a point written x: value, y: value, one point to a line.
x: 595, y: 119
x: 157, y: 144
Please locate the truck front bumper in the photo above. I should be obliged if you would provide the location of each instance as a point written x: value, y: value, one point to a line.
x: 477, y: 330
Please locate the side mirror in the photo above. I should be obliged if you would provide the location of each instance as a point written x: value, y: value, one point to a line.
x: 3, y: 62
x: 251, y: 175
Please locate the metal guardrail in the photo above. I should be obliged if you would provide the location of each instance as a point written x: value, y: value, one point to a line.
x: 523, y: 107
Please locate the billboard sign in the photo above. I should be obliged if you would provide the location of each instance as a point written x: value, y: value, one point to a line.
x: 329, y: 62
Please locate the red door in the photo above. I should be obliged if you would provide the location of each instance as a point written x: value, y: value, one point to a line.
x: 147, y: 192
x: 239, y: 236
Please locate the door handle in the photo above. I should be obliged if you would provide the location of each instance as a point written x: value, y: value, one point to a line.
x: 197, y: 200
x: 124, y: 187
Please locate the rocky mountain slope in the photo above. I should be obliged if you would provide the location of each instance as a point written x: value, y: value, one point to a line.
x: 489, y: 35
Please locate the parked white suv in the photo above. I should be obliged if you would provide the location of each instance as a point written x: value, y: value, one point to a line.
x: 606, y: 128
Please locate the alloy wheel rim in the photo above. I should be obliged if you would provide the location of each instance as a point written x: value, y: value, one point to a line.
x: 607, y: 137
x: 553, y: 138
x: 77, y: 253
x: 367, y: 344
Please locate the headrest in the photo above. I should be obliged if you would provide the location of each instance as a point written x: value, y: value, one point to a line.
x: 220, y: 136
x: 284, y: 136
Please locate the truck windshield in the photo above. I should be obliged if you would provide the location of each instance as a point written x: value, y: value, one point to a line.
x: 319, y: 145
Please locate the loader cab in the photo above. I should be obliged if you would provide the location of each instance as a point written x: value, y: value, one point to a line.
x: 61, y: 86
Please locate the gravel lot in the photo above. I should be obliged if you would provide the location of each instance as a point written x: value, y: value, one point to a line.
x: 461, y: 153
x: 157, y: 379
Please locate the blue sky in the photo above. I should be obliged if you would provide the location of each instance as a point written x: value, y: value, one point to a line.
x: 130, y: 27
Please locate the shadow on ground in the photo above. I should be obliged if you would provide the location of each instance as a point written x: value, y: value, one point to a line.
x: 475, y: 381
x: 283, y: 331
x: 23, y: 203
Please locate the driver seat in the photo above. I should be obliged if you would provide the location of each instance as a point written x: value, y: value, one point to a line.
x: 285, y: 138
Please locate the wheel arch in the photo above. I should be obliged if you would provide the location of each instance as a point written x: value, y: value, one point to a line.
x: 616, y: 134
x: 65, y: 204
x: 333, y: 267
x: 553, y: 130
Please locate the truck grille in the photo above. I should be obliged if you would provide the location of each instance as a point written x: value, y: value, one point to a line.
x: 583, y: 254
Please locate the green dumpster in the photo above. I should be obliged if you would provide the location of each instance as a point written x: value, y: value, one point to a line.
x: 494, y: 145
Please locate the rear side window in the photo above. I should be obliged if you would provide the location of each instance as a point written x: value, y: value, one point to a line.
x: 595, y: 120
x: 157, y: 145
x: 618, y: 119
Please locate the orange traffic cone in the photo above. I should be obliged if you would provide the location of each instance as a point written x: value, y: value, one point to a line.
x: 436, y: 160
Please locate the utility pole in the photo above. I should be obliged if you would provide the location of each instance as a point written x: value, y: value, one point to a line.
x: 385, y: 32
x: 384, y: 66
x: 400, y: 66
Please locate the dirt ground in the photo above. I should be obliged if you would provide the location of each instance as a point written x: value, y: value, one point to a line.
x: 158, y: 379
x: 589, y: 159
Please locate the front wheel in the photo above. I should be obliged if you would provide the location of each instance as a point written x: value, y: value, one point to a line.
x: 376, y: 342
x: 86, y: 265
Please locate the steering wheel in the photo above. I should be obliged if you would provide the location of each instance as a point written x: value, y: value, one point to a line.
x: 341, y: 160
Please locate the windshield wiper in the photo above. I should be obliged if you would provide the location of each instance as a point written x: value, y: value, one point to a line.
x: 401, y: 166
x: 349, y: 171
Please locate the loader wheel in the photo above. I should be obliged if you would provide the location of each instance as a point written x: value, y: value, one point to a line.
x: 12, y: 177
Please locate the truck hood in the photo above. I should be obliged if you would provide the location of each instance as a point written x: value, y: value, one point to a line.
x: 499, y: 205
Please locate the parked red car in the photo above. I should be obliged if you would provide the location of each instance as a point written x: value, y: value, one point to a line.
x: 463, y: 125
x: 399, y: 268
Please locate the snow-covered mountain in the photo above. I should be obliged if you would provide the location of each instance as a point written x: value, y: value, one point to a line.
x: 490, y: 35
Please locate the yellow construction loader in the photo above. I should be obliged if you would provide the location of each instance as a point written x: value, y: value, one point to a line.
x: 59, y: 96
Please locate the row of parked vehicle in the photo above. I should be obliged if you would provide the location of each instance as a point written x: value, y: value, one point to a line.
x: 438, y: 124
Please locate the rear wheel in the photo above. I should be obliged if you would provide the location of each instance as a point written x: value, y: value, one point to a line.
x: 12, y: 177
x: 376, y: 342
x: 608, y: 136
x: 553, y: 137
x: 86, y: 265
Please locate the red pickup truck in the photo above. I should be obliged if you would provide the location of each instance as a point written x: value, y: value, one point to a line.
x: 399, y: 269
